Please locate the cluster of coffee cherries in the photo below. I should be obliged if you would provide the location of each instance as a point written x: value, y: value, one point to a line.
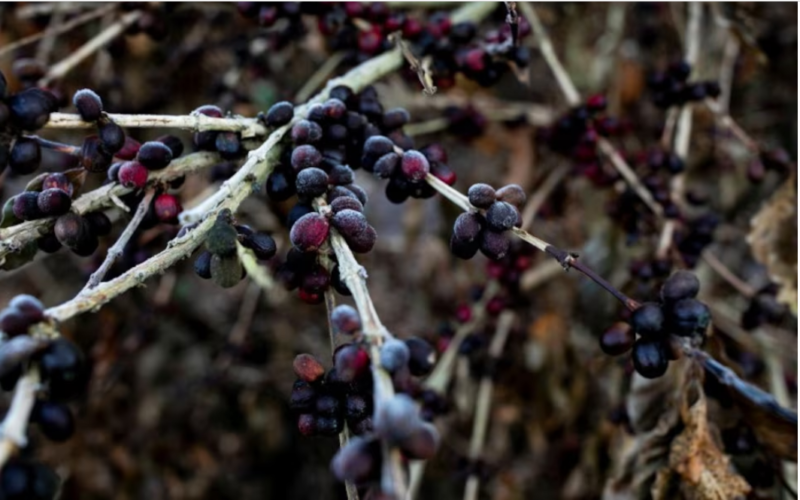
x: 671, y: 88
x: 140, y: 159
x: 64, y: 374
x: 27, y: 110
x: 485, y: 228
x: 227, y: 143
x: 220, y: 260
x: 660, y: 326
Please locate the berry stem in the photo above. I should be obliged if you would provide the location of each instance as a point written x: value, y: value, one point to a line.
x: 196, y: 122
x: 483, y: 404
x: 119, y: 246
x: 56, y: 146
x: 13, y: 427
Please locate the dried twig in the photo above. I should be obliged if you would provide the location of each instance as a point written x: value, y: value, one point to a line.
x: 196, y: 122
x: 535, y: 202
x: 119, y: 246
x: 13, y: 426
x: 422, y: 69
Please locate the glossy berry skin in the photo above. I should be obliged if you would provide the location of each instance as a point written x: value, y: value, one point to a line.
x: 262, y: 245
x: 618, y: 339
x: 167, y: 207
x: 305, y: 156
x: 501, y: 216
x: 55, y: 420
x: 414, y: 166
x: 311, y: 182
x: 650, y: 358
x: 481, y: 195
x: 648, y: 320
x: 280, y: 114
x: 154, y: 155
x: 688, y: 316
x: 132, y: 175
x: 309, y: 233
x: 54, y: 202
x: 88, y: 104
x: 25, y: 156
x: 681, y: 285
x: 26, y: 206
x: 62, y: 365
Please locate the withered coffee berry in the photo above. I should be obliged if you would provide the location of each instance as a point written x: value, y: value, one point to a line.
x: 94, y: 157
x: 88, y: 104
x: 308, y: 368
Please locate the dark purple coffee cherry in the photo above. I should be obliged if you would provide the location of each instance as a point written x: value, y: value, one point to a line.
x: 311, y: 182
x: 468, y: 227
x: 279, y: 186
x: 375, y: 147
x: 362, y: 242
x: 26, y: 206
x: 386, y: 165
x: 54, y: 202
x: 30, y: 307
x: 55, y: 420
x: 14, y: 322
x: 681, y: 285
x: 62, y: 365
x: 648, y: 320
x: 88, y: 104
x: 94, y: 158
x: 422, y: 356
x: 501, y: 216
x: 48, y: 243
x: 57, y: 180
x: 154, y: 155
x: 349, y: 223
x: 30, y: 109
x: 310, y: 232
x: 359, y: 192
x: 481, y: 195
x: 650, y: 358
x: 395, y: 118
x: 414, y: 166
x: 688, y: 316
x: 112, y: 136
x: 25, y: 156
x: 494, y: 245
x: 334, y: 109
x: 174, y: 144
x: 340, y: 175
x: 359, y: 461
x: 305, y: 156
x: 280, y: 114
x: 463, y: 249
x: 346, y: 203
x: 302, y: 397
x: 513, y: 194
x: 229, y: 145
x: 98, y: 222
x: 306, y: 132
x: 262, y: 245
x: 618, y: 339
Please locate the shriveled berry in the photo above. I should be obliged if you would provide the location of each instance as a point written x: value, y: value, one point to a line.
x: 513, y: 194
x: 481, y: 195
x: 26, y: 206
x: 467, y: 227
x: 25, y: 156
x: 650, y: 358
x: 648, y: 320
x: 346, y: 203
x: 375, y: 147
x: 306, y: 132
x: 57, y: 180
x: 422, y: 356
x: 345, y: 319
x: 54, y: 202
x: 618, y: 339
x: 202, y: 265
x: 262, y: 245
x: 414, y: 165
x: 167, y: 207
x: 222, y: 237
x: 305, y: 156
x: 494, y: 245
x: 311, y: 182
x: 309, y: 232
x: 280, y: 114
x: 112, y: 137
x: 308, y: 368
x: 688, y: 316
x: 681, y: 285
x: 55, y: 420
x: 133, y: 175
x: 154, y: 155
x: 395, y: 355
x: 88, y: 104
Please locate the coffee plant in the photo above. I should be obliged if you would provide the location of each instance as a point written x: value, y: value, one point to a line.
x: 318, y: 250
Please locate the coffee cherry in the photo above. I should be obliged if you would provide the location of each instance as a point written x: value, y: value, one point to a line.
x: 422, y: 356
x: 262, y: 245
x: 397, y: 418
x: 70, y: 230
x: 351, y: 362
x: 349, y: 223
x: 3, y: 85
x: 62, y: 364
x: 340, y: 175
x: 618, y: 339
x: 362, y: 242
x: 395, y: 118
x: 297, y: 211
x: 94, y: 157
x: 307, y: 424
x: 306, y: 132
x: 57, y: 180
x: 316, y: 280
x: 513, y: 194
x: 30, y: 109
x: 279, y: 186
x: 14, y: 322
x: 358, y: 191
x: 414, y: 166
x: 302, y: 397
x: 25, y: 156
x: 374, y: 148
x: 305, y: 156
x: 154, y: 155
x: 226, y: 270
x: 112, y: 137
x: 494, y: 245
x: 463, y: 249
x: 395, y: 355
x: 481, y: 195
x: 132, y: 175
x: 55, y: 420
x: 501, y: 216
x: 688, y: 316
x: 356, y: 408
x: 308, y: 368
x: 648, y: 320
x: 346, y: 203
x: 311, y: 182
x: 98, y: 222
x: 26, y: 206
x: 345, y: 319
x: 310, y: 232
x: 129, y: 150
x: 229, y: 145
x: 334, y: 109
x: 649, y: 358
x: 681, y: 285
x: 87, y: 245
x: 174, y: 144
x: 422, y: 443
x: 280, y: 114
x: 386, y: 165
x: 468, y: 227
x: 30, y: 307
x: 54, y: 202
x: 88, y: 104
x: 202, y: 265
x: 167, y: 207
x: 358, y: 461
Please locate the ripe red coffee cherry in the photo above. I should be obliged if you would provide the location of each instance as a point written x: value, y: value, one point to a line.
x: 132, y: 175
x: 167, y: 207
x: 308, y: 368
x: 154, y: 155
x: 54, y: 202
x: 310, y: 232
x: 481, y: 195
x: 280, y: 114
x: 414, y: 166
x: 345, y: 319
x: 88, y: 104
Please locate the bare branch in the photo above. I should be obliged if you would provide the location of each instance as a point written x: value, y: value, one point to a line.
x: 15, y: 421
x: 196, y: 122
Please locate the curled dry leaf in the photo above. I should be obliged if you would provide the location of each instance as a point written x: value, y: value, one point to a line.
x: 773, y: 239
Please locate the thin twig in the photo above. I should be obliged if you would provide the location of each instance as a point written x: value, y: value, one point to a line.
x: 13, y: 426
x: 422, y: 69
x: 726, y: 72
x: 535, y: 202
x: 483, y: 403
x: 101, y: 39
x: 728, y: 275
x: 46, y: 45
x: 196, y: 122
x: 629, y: 175
x: 54, y: 30
x: 119, y: 246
